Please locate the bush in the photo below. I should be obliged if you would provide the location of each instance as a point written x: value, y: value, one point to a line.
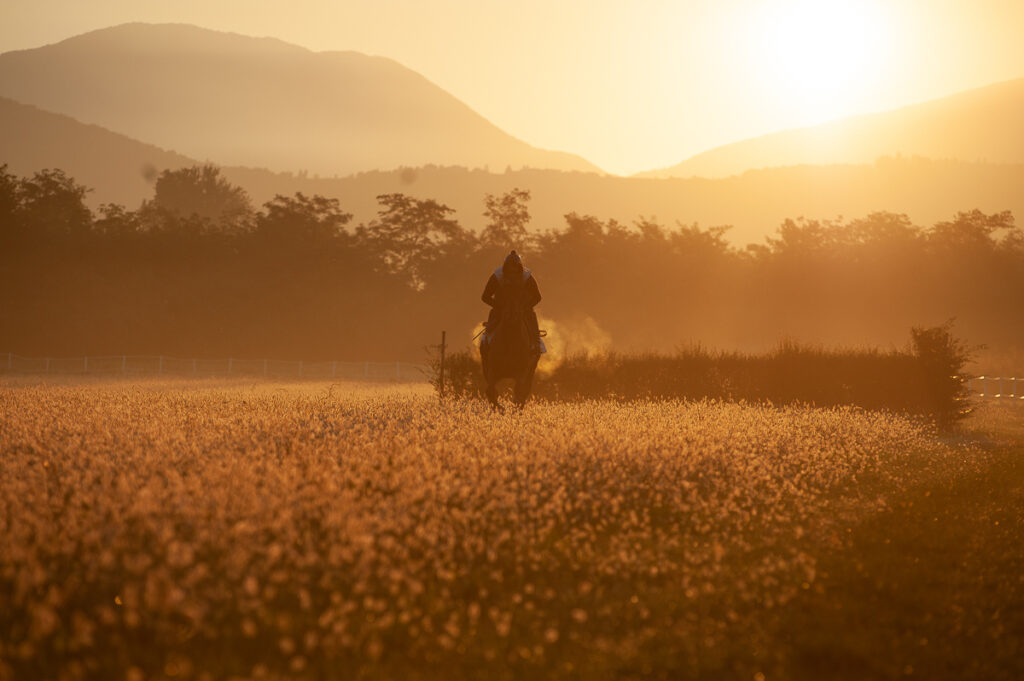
x: 941, y: 359
x: 463, y: 375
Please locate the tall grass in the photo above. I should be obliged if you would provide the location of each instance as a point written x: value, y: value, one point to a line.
x: 213, y: 529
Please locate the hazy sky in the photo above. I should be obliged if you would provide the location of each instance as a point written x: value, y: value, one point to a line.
x: 629, y: 84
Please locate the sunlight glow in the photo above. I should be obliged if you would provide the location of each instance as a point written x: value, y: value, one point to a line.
x: 820, y: 56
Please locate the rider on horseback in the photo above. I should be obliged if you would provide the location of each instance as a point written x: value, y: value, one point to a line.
x: 512, y: 284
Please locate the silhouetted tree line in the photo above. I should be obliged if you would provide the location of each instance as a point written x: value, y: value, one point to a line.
x: 199, y: 271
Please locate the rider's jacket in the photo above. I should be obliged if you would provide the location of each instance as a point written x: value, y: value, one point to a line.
x: 498, y: 292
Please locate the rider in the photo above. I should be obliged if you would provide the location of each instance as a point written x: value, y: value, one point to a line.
x: 510, y: 284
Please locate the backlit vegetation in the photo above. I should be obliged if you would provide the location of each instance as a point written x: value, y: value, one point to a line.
x: 927, y: 379
x: 210, y: 529
x: 198, y: 271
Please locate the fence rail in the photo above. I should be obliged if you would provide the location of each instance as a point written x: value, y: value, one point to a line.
x: 1004, y: 387
x: 160, y: 364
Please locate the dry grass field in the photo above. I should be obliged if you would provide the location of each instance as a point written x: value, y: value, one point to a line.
x: 215, y: 529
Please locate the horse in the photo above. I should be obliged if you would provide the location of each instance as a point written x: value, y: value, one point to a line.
x: 508, y: 352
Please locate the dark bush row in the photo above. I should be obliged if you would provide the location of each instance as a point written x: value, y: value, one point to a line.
x: 926, y: 379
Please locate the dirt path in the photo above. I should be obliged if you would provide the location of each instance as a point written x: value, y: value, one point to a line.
x: 931, y: 589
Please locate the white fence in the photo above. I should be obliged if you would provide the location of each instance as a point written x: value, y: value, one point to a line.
x: 1005, y: 387
x: 996, y: 386
x: 157, y: 364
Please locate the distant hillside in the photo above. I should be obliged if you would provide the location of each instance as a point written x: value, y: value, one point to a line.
x: 755, y: 202
x: 118, y: 168
x: 984, y: 124
x: 260, y: 102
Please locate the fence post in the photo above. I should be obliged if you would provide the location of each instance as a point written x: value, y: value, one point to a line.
x: 440, y: 378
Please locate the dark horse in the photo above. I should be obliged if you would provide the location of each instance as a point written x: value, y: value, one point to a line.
x: 507, y: 352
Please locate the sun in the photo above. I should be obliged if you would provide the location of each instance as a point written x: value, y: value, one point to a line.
x: 819, y: 56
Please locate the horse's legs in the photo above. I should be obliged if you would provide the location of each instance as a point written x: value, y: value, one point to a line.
x: 489, y: 380
x: 524, y: 384
x: 520, y: 394
x: 492, y: 394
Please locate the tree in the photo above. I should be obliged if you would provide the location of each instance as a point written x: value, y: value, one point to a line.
x: 409, y: 234
x: 884, y: 229
x: 10, y: 202
x: 971, y: 229
x: 307, y: 219
x: 507, y: 218
x: 692, y: 239
x: 116, y: 221
x: 802, y: 237
x: 198, y: 198
x: 53, y: 204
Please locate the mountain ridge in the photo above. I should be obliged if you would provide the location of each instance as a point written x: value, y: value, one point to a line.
x: 120, y: 170
x: 979, y: 123
x: 261, y: 102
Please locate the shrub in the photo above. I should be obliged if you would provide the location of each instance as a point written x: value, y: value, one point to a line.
x: 941, y: 359
x: 463, y: 376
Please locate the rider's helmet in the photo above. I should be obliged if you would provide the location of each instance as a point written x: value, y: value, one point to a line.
x: 513, y: 263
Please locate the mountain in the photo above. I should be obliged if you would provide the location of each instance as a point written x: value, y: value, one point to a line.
x: 260, y: 102
x: 120, y: 170
x: 754, y: 203
x: 117, y: 168
x: 980, y: 124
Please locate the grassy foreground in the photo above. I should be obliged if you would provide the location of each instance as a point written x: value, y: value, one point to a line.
x: 933, y: 586
x: 214, y: 530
